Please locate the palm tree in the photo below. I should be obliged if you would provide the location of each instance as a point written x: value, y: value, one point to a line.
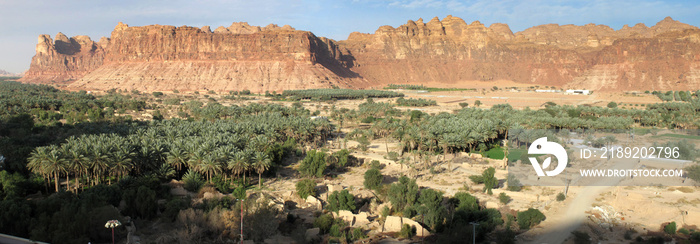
x: 177, y: 158
x: 100, y: 163
x: 121, y: 162
x: 261, y: 163
x: 239, y: 163
x: 75, y: 162
x: 36, y: 162
x: 209, y: 165
x: 48, y: 161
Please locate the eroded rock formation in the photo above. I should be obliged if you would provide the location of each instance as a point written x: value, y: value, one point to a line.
x: 664, y: 56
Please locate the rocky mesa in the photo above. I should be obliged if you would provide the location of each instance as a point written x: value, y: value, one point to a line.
x: 160, y: 57
x: 149, y: 58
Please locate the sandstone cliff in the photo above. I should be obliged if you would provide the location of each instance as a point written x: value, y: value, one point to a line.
x: 590, y: 56
x: 187, y: 58
x: 150, y: 58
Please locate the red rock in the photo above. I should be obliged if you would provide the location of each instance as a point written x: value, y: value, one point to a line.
x: 159, y: 58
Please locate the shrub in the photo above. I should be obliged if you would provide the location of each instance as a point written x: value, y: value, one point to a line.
x: 466, y: 202
x: 403, y: 193
x: 157, y: 94
x: 385, y: 212
x: 357, y: 234
x: 431, y: 208
x: 561, y: 197
x: 684, y: 231
x: 263, y: 223
x: 342, y: 200
x: 505, y: 199
x: 670, y: 228
x: 476, y: 179
x: 342, y: 157
x: 375, y: 164
x: 305, y: 188
x: 513, y: 182
x: 464, y: 105
x: 313, y: 164
x: 373, y: 179
x: 193, y: 181
x: 612, y: 105
x: 335, y: 231
x: 172, y: 101
x: 407, y: 231
x: 529, y: 218
x: 140, y: 202
x: 324, y: 222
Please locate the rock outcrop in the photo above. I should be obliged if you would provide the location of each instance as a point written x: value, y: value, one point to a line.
x: 187, y: 58
x: 158, y: 58
x: 394, y: 224
x: 590, y: 56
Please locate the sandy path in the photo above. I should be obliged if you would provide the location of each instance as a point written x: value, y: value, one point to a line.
x: 561, y: 226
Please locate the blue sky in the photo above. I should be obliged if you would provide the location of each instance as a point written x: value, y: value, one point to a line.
x: 21, y: 21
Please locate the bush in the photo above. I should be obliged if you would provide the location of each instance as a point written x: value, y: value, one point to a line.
x: 385, y: 212
x: 335, y: 231
x: 684, y: 231
x: 313, y: 164
x: 490, y: 181
x: 357, y: 234
x: 529, y: 218
x: 373, y: 179
x: 505, y: 199
x: 342, y: 200
x: 464, y: 105
x: 305, y: 188
x: 670, y: 228
x: 342, y: 157
x: 513, y: 183
x: 157, y: 94
x: 140, y: 202
x: 466, y: 202
x: 193, y: 181
x: 324, y: 222
x: 263, y: 223
x: 431, y: 208
x: 407, y: 231
x: 612, y: 105
x: 476, y: 179
x: 403, y: 193
x: 561, y: 197
x: 172, y: 101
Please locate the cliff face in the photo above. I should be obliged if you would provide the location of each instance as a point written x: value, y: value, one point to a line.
x: 451, y: 50
x: 590, y: 56
x: 64, y: 59
x: 187, y: 58
x: 664, y: 56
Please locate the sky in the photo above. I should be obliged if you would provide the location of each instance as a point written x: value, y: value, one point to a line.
x: 22, y: 21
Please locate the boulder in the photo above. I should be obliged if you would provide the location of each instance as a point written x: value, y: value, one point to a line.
x: 490, y: 204
x: 178, y: 191
x: 312, y: 234
x: 314, y: 202
x: 211, y: 195
x: 394, y: 224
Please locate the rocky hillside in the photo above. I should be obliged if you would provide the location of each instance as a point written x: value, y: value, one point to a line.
x: 664, y: 56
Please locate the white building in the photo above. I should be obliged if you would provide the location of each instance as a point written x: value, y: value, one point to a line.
x: 583, y: 92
